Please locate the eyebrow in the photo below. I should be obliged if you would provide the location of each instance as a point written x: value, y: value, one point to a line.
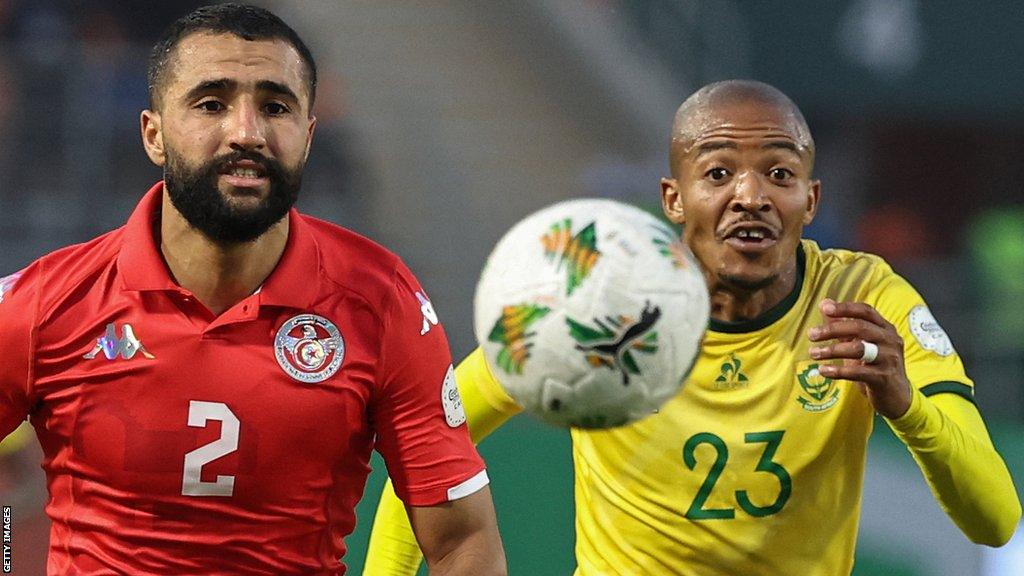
x: 227, y: 84
x: 276, y: 88
x: 708, y: 147
x: 782, y: 145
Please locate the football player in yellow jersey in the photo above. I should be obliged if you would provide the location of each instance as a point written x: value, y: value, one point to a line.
x: 756, y: 466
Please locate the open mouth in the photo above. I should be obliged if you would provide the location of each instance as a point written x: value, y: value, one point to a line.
x: 750, y: 236
x: 244, y: 173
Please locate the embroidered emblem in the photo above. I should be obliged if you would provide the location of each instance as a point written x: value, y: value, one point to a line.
x: 429, y: 316
x: 614, y: 344
x: 821, y: 392
x: 127, y: 346
x: 454, y: 413
x: 309, y: 348
x: 731, y: 377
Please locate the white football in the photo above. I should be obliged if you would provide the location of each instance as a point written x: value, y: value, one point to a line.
x: 591, y: 313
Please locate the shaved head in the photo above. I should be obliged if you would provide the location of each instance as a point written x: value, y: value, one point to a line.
x: 710, y: 107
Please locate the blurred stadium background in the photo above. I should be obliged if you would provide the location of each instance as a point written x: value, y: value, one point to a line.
x: 442, y: 123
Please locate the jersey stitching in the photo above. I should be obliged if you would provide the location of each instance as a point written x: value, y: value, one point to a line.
x: 388, y: 304
x: 33, y: 341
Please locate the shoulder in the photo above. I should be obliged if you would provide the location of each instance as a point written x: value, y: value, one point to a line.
x: 355, y: 263
x: 864, y: 277
x: 849, y: 269
x: 60, y: 274
x: 837, y: 259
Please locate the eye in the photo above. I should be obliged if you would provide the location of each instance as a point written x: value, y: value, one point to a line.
x: 717, y: 174
x: 275, y: 108
x: 210, y: 106
x: 780, y: 174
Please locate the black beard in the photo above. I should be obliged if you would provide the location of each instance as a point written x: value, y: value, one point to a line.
x: 195, y: 194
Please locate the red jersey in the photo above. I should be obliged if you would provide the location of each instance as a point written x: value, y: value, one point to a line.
x: 179, y: 442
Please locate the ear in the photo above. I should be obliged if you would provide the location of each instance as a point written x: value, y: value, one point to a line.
x: 153, y: 136
x: 813, y: 195
x: 309, y: 137
x: 672, y: 201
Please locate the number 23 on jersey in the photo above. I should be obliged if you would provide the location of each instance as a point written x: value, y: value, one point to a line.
x: 766, y: 464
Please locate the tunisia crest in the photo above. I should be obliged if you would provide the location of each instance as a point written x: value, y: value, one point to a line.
x: 309, y: 348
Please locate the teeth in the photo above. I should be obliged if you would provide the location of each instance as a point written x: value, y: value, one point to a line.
x: 755, y: 234
x: 244, y: 172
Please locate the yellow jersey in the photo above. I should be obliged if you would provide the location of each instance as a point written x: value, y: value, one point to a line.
x: 756, y: 467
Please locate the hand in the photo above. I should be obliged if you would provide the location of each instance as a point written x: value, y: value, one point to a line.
x: 884, y: 381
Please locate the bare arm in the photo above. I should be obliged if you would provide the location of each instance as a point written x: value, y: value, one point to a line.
x: 393, y: 549
x: 460, y: 538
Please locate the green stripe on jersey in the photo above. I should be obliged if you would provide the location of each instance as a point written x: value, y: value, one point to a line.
x: 958, y: 388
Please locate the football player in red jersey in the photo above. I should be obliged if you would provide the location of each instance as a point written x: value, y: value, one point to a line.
x: 207, y: 382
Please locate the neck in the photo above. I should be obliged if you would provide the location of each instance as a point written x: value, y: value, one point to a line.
x: 218, y: 276
x: 731, y: 302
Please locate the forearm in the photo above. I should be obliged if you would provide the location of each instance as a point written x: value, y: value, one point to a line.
x: 393, y: 550
x: 477, y: 556
x: 947, y: 438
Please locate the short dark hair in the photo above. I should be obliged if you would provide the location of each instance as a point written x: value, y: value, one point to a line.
x: 247, y: 22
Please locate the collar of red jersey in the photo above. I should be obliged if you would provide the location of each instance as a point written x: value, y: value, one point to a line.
x: 293, y: 283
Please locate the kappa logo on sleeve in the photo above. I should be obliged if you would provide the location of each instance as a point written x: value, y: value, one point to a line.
x: 927, y: 331
x: 454, y: 411
x: 429, y: 316
x: 7, y: 284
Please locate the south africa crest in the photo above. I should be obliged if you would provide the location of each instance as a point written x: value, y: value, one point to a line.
x: 819, y: 392
x: 309, y: 348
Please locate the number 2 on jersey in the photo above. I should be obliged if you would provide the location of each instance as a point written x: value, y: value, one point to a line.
x: 697, y: 511
x: 199, y: 413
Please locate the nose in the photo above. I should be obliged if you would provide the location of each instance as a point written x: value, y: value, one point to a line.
x: 749, y: 194
x: 246, y: 128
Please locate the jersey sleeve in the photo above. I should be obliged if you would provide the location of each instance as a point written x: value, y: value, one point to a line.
x: 933, y: 366
x: 18, y: 302
x: 943, y: 429
x: 417, y: 411
x: 393, y: 550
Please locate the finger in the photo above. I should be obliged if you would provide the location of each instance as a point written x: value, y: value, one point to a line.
x: 840, y: 351
x: 832, y: 309
x: 855, y: 372
x: 848, y: 329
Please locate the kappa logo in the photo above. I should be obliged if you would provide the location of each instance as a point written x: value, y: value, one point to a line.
x: 309, y: 348
x: 821, y: 391
x: 578, y: 253
x: 127, y: 346
x: 512, y: 331
x: 7, y: 284
x: 429, y: 316
x: 614, y: 343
